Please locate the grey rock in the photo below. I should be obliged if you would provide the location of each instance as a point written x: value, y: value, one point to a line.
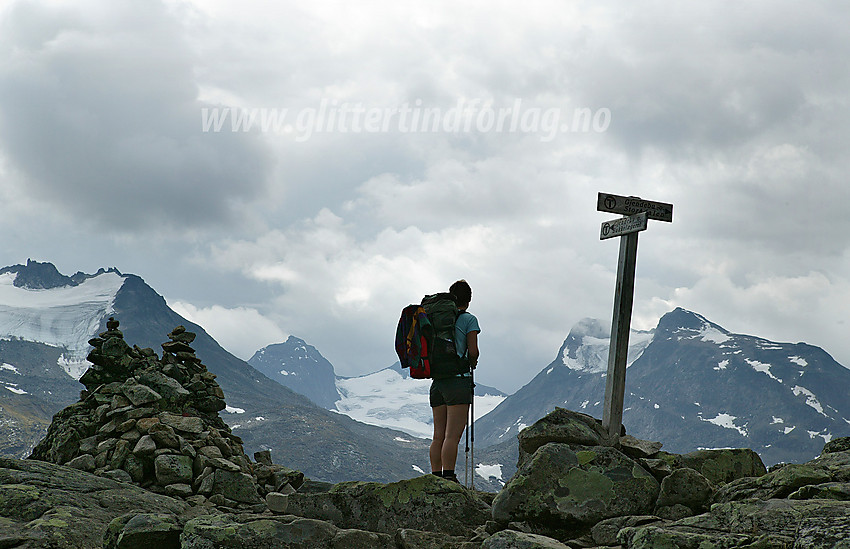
x: 407, y: 538
x: 191, y: 424
x: 263, y: 457
x: 277, y: 502
x: 237, y: 486
x: 210, y: 531
x: 563, y: 426
x: 772, y: 524
x: 143, y: 531
x: 170, y: 389
x: 828, y: 490
x: 83, y: 462
x: 576, y: 486
x: 686, y: 487
x: 637, y: 448
x: 173, y: 469
x: 605, y: 532
x: 145, y: 446
x: 421, y: 503
x: 164, y: 436
x: 777, y: 484
x: 224, y: 464
x: 178, y: 490
x: 118, y: 475
x: 139, y: 394
x: 47, y: 505
x: 511, y: 539
x: 841, y: 444
x: 722, y: 466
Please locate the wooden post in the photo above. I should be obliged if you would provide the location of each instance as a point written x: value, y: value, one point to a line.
x: 615, y: 383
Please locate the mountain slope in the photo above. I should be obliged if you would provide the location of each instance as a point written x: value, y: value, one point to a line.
x: 692, y: 383
x: 42, y: 330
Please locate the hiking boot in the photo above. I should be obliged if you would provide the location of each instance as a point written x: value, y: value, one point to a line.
x: 452, y: 478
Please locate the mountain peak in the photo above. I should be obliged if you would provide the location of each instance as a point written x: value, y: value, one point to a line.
x: 37, y: 275
x: 682, y: 319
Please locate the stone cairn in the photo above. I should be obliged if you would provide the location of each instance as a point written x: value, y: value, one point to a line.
x: 154, y: 422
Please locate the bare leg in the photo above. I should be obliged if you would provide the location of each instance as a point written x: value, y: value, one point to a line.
x: 456, y: 417
x: 435, y: 453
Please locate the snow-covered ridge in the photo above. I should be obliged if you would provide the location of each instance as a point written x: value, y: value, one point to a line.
x: 591, y: 356
x: 65, y: 317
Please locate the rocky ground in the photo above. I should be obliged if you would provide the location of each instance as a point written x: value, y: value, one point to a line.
x: 144, y: 460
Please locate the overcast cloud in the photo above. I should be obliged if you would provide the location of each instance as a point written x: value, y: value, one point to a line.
x: 735, y: 113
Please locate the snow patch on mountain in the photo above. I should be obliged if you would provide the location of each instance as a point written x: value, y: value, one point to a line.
x: 727, y: 421
x: 65, y: 317
x: 9, y: 367
x: 763, y: 368
x: 811, y: 399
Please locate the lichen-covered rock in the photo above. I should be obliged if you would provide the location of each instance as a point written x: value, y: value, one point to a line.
x: 777, y: 484
x: 256, y: 532
x: 776, y: 523
x: 511, y: 539
x: 422, y: 503
x: 605, y: 532
x: 686, y: 487
x: 563, y: 426
x: 406, y: 538
x: 722, y: 466
x: 143, y: 531
x: 841, y: 444
x: 47, y: 505
x: 563, y: 486
x: 827, y: 490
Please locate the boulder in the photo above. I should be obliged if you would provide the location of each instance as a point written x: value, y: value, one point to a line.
x: 406, y: 538
x: 563, y: 426
x: 255, y: 532
x: 686, y: 487
x: 722, y: 466
x: 142, y: 531
x: 173, y: 469
x: 637, y: 448
x: 236, y: 485
x: 841, y: 444
x: 605, y: 532
x: 827, y: 490
x: 777, y: 484
x: 511, y: 539
x: 48, y: 505
x: 764, y: 524
x: 563, y: 486
x: 426, y: 503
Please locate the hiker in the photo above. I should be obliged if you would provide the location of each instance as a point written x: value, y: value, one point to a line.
x: 450, y: 397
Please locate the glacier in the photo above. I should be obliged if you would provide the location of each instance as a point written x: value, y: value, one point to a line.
x: 65, y: 317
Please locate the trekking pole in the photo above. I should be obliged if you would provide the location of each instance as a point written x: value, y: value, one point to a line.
x: 466, y: 466
x: 472, y: 427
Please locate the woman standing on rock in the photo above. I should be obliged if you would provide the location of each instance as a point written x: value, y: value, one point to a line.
x: 451, y: 397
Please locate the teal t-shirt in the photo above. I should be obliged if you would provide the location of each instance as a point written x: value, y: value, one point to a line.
x: 466, y: 322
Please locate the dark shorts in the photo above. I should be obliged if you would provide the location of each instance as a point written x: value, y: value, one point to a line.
x: 451, y: 391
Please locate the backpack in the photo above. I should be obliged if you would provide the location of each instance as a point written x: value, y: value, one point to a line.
x: 425, y: 338
x: 411, y: 344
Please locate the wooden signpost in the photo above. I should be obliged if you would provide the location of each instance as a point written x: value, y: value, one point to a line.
x: 627, y: 228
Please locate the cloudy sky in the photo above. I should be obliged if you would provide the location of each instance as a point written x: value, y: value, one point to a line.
x: 397, y: 147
